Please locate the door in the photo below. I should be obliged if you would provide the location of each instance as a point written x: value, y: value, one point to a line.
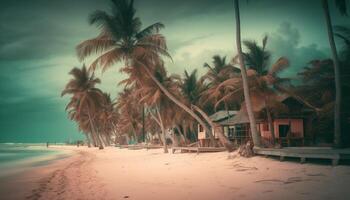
x: 283, y: 130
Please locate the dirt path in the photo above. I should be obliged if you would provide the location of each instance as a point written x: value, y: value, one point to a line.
x: 75, y: 180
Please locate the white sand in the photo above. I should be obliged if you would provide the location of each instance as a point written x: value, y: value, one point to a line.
x: 140, y: 174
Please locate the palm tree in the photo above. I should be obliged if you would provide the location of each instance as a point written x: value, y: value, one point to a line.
x: 216, y: 74
x: 130, y: 119
x: 318, y: 87
x: 255, y: 134
x: 160, y: 107
x: 106, y: 118
x: 191, y: 89
x: 341, y: 4
x: 85, y: 101
x: 121, y: 39
x: 265, y: 81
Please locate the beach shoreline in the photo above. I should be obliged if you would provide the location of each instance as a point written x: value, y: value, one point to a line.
x: 115, y: 173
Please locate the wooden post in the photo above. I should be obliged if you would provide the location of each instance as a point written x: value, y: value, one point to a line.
x: 281, y: 158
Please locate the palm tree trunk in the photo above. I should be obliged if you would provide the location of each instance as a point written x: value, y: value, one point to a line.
x: 183, y: 137
x: 99, y: 142
x: 271, y: 127
x: 338, y: 93
x: 134, y: 133
x: 160, y: 138
x: 88, y: 139
x: 163, y: 130
x: 174, y: 139
x: 255, y: 135
x: 269, y: 120
x: 223, y: 139
x: 176, y: 101
x: 160, y: 125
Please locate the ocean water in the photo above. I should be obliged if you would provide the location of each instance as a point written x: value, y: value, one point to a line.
x: 18, y: 157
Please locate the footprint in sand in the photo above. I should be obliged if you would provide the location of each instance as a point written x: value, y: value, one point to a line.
x: 317, y: 174
x: 267, y: 191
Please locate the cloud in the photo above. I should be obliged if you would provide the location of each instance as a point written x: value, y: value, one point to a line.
x: 286, y: 41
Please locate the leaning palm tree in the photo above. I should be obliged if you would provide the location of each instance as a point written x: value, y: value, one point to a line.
x: 191, y: 89
x: 85, y: 101
x: 160, y: 106
x: 219, y: 72
x: 121, y: 39
x: 341, y: 4
x: 264, y: 80
x: 254, y: 131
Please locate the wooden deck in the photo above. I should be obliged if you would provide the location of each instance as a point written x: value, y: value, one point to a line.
x: 306, y: 153
x: 198, y: 149
x: 138, y: 147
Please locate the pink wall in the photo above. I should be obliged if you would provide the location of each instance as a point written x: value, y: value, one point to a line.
x: 201, y: 134
x: 297, y: 127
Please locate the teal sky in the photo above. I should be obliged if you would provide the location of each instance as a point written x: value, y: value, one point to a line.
x: 38, y: 39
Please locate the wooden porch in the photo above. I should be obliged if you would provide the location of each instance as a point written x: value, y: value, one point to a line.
x: 306, y: 153
x: 138, y: 147
x: 198, y: 149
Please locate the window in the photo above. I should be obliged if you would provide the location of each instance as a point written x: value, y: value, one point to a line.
x: 231, y: 131
x: 200, y: 128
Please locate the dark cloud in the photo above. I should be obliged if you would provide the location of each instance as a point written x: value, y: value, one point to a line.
x: 286, y: 42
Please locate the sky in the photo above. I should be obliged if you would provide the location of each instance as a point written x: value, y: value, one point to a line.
x: 38, y: 39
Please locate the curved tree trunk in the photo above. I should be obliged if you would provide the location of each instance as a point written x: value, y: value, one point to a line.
x: 98, y: 139
x: 176, y: 101
x: 337, y: 105
x: 255, y: 134
x: 160, y: 123
x: 222, y: 138
x: 88, y: 139
x: 174, y: 139
x: 183, y: 137
x: 163, y: 130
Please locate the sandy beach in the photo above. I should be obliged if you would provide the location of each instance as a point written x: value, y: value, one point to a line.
x: 115, y: 173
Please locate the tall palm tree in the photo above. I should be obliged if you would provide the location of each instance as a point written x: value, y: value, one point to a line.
x: 121, y: 39
x: 254, y: 131
x: 160, y: 107
x: 85, y: 101
x: 191, y: 89
x: 265, y: 81
x: 106, y: 118
x: 341, y: 4
x: 216, y: 74
x: 130, y: 118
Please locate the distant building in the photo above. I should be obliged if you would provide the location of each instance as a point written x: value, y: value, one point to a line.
x: 289, y: 126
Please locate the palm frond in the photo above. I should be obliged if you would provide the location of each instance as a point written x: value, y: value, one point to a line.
x: 279, y: 65
x: 150, y: 30
x: 107, y: 59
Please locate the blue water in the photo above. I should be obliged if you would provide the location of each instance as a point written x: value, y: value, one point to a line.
x: 15, y: 158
